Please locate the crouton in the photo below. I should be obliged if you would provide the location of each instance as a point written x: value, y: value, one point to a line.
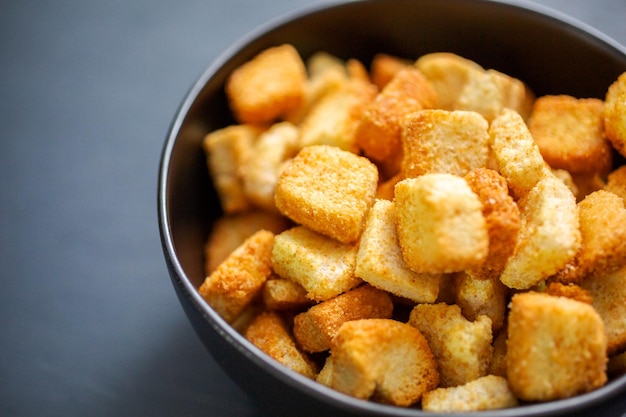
x: 238, y: 280
x: 382, y: 359
x: 616, y: 182
x: 573, y: 291
x: 440, y: 224
x: 498, y: 359
x: 385, y: 190
x: 230, y: 231
x: 378, y: 135
x: 268, y: 86
x: 325, y: 376
x: 486, y: 393
x: 384, y: 67
x: 357, y: 71
x: 549, y: 236
x: 501, y: 215
x: 516, y: 153
x: 328, y: 190
x: 440, y: 141
x: 323, y: 266
x: 570, y: 134
x: 269, y: 333
x: 477, y: 295
x: 556, y: 347
x: 615, y: 114
x: 314, y: 328
x: 608, y: 292
x: 379, y: 259
x: 462, y: 348
x: 281, y: 294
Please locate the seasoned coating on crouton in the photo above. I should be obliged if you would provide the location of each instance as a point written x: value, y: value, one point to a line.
x: 570, y: 134
x: 379, y: 133
x: 323, y: 266
x: 462, y: 348
x: 384, y: 67
x: 266, y: 87
x: 616, y: 182
x: 608, y: 294
x: 280, y: 294
x: 314, y: 328
x: 328, y: 190
x: 379, y: 259
x: 549, y: 236
x: 481, y: 295
x: 441, y: 141
x: 382, y: 359
x: 238, y: 280
x: 556, y: 347
x: 501, y: 214
x: 269, y: 333
x: 226, y: 150
x: 615, y: 114
x: 486, y: 393
x: 440, y: 224
x: 230, y: 231
x: 516, y: 153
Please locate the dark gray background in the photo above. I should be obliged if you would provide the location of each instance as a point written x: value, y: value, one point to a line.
x: 89, y: 323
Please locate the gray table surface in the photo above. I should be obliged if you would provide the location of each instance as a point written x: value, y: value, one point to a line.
x: 89, y: 323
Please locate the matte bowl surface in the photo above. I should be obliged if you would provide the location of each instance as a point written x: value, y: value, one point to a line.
x: 551, y: 52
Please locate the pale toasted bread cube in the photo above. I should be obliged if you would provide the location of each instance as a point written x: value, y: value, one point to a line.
x: 379, y: 259
x: 323, y: 266
x: 335, y: 118
x: 280, y: 294
x: 267, y: 86
x: 615, y: 114
x: 556, y: 347
x: 486, y: 393
x: 230, y: 231
x: 448, y: 73
x: 608, y: 292
x: 382, y: 359
x: 379, y: 133
x: 238, y: 280
x: 441, y: 141
x: 269, y: 333
x: 384, y: 67
x: 549, y: 236
x: 481, y: 296
x: 570, y: 134
x: 226, y: 150
x: 314, y: 328
x: 328, y: 190
x: 616, y: 182
x: 440, y: 224
x: 462, y: 348
x: 501, y: 215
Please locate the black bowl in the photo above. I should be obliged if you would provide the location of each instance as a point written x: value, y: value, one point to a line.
x: 551, y: 52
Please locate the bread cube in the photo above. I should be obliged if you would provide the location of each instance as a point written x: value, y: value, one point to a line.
x: 486, y: 393
x: 323, y: 266
x: 384, y: 67
x: 440, y: 224
x: 615, y: 114
x: 616, y: 182
x: 481, y: 296
x: 328, y: 190
x: 314, y: 328
x: 268, y: 86
x: 556, y: 347
x: 441, y: 141
x: 382, y: 359
x: 280, y: 294
x: 379, y: 259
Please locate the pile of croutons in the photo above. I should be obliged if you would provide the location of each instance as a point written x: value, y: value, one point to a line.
x: 421, y: 232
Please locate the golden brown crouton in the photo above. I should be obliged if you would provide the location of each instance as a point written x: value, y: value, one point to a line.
x: 556, y: 347
x: 477, y: 295
x: 357, y: 71
x: 379, y: 133
x: 616, y: 182
x: 382, y: 359
x: 608, y: 294
x: 615, y: 114
x: 462, y: 348
x: 269, y: 333
x: 573, y: 291
x: 238, y: 280
x: 441, y: 141
x: 266, y: 87
x: 440, y: 224
x: 230, y: 231
x: 570, y: 134
x: 315, y: 328
x: 486, y: 393
x: 379, y: 259
x: 323, y: 266
x: 549, y: 236
x: 281, y: 294
x: 328, y: 190
x: 384, y: 67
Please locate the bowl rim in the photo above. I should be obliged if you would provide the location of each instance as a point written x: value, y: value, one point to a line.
x: 238, y: 341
